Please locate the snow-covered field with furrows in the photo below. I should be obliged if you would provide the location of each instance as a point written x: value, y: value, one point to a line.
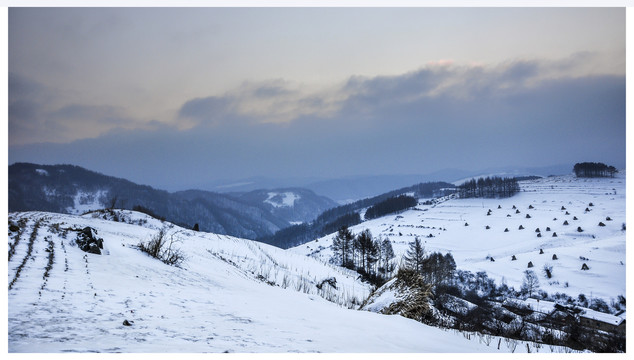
x: 542, y: 208
x: 229, y: 295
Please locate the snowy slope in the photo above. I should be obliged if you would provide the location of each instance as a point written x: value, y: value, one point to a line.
x: 230, y: 295
x: 459, y: 226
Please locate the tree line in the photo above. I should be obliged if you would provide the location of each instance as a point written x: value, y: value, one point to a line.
x: 429, y: 189
x: 390, y: 206
x: 594, y: 169
x: 489, y: 187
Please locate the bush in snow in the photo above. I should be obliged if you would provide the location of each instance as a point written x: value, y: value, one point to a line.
x: 160, y: 247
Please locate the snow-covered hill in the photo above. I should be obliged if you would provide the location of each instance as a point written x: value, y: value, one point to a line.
x: 459, y: 226
x: 229, y: 295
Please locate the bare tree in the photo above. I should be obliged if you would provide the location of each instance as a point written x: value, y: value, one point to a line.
x: 530, y: 283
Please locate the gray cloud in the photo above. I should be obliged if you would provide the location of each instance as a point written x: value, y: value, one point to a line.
x: 430, y: 119
x: 38, y: 113
x: 209, y: 109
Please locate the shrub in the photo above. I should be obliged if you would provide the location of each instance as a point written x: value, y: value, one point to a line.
x: 159, y: 247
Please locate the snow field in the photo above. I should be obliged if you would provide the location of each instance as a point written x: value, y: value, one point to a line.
x: 229, y: 296
x: 459, y: 226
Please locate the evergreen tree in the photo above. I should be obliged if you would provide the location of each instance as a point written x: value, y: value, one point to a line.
x: 342, y: 247
x: 387, y: 254
x: 365, y: 248
x: 372, y: 256
x: 415, y: 256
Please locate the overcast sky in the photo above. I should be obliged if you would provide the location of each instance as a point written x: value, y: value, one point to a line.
x: 171, y: 97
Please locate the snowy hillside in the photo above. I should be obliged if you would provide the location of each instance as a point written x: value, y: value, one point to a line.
x: 479, y: 240
x: 229, y: 295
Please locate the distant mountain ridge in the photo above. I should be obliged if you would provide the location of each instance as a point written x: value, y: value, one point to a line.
x: 73, y: 190
x: 349, y: 189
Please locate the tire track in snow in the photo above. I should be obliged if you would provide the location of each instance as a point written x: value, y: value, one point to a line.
x: 22, y: 223
x: 27, y: 256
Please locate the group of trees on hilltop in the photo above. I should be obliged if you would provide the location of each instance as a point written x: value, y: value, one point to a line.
x: 593, y: 169
x: 489, y: 187
x: 391, y: 205
x: 371, y: 257
x: 429, y: 189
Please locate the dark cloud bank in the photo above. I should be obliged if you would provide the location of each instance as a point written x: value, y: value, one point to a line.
x: 435, y: 118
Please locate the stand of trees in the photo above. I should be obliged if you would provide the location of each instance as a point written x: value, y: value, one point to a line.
x: 372, y: 258
x: 390, y: 205
x: 429, y: 189
x: 489, y: 187
x: 435, y: 268
x: 593, y: 169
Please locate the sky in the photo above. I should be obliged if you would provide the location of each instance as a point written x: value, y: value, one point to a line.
x: 171, y: 97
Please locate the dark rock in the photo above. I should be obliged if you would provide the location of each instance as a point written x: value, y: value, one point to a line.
x: 88, y: 242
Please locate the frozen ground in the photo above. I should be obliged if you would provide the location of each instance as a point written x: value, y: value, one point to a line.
x: 459, y: 226
x: 231, y: 295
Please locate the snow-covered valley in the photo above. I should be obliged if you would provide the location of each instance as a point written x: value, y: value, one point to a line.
x: 236, y: 295
x: 231, y: 295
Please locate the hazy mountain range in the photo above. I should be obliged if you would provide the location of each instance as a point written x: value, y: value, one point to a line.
x: 75, y: 190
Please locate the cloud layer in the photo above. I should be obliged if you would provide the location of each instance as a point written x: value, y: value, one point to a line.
x: 523, y: 113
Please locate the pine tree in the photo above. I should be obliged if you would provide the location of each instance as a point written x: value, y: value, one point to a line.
x: 342, y: 247
x: 365, y: 248
x: 415, y: 256
x: 387, y: 254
